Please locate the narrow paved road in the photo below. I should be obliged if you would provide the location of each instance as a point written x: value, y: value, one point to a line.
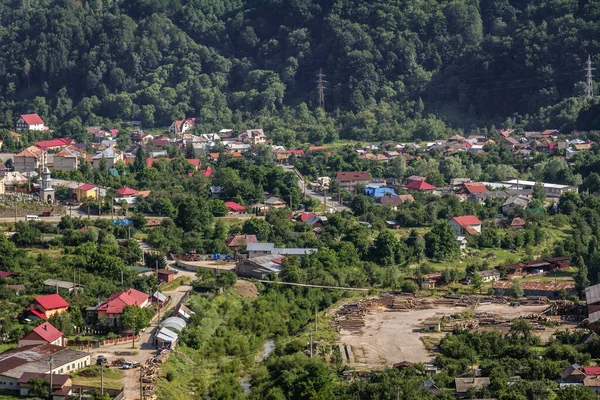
x: 330, y: 202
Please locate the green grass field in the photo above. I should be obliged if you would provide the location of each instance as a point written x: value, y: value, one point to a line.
x: 112, y: 377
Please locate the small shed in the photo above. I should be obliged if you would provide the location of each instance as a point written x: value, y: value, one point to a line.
x: 166, y: 339
x: 432, y: 325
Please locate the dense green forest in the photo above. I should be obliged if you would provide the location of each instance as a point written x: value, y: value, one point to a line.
x: 393, y: 69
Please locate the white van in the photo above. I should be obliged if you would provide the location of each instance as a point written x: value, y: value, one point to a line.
x: 32, y: 218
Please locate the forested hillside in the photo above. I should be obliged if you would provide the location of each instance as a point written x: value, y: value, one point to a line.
x: 393, y: 69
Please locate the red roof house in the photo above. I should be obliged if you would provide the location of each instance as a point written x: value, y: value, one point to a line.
x: 305, y: 216
x: 475, y: 187
x: 234, y: 208
x: 241, y: 240
x: 420, y: 186
x: 31, y: 122
x: 114, y: 305
x: 43, y: 307
x: 466, y: 224
x: 126, y: 192
x: 208, y: 172
x: 298, y: 152
x: 45, y: 333
x: 54, y: 144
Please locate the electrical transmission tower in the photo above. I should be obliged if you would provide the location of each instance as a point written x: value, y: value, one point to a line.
x: 320, y: 89
x: 589, y: 90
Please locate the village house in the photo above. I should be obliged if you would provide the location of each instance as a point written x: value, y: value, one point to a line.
x: 252, y: 136
x: 182, y: 126
x: 473, y: 187
x: 45, y: 333
x: 240, y: 241
x: 275, y: 202
x: 125, y: 192
x: 263, y: 249
x: 349, y: 180
x: 52, y: 285
x: 16, y: 364
x: 29, y: 159
x: 592, y: 298
x: 467, y: 224
x: 514, y: 202
x: 110, y: 155
x: 30, y: 122
x: 515, y: 223
x: 55, y: 144
x: 112, y: 308
x: 394, y: 201
x: 43, y: 307
x: 86, y: 191
x: 420, y: 186
x: 464, y: 386
x: 61, y: 384
x: 67, y: 159
x: 234, y: 208
x: 259, y: 267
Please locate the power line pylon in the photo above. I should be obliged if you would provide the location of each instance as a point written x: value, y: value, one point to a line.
x: 589, y: 90
x: 320, y: 89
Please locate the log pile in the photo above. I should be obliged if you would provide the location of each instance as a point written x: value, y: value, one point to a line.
x: 151, y: 371
x: 565, y: 307
x: 350, y: 317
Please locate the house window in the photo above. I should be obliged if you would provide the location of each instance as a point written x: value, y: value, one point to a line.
x: 73, y: 366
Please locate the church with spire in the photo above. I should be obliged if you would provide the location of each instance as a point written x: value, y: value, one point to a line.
x: 46, y: 189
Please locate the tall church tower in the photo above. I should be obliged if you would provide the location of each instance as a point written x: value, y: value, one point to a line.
x: 46, y: 189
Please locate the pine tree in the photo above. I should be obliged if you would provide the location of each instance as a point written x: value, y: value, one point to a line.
x: 140, y: 160
x: 581, y: 278
x: 189, y: 151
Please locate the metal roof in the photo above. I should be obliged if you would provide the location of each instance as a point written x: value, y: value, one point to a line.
x: 167, y: 335
x: 592, y: 294
x: 174, y: 323
x: 260, y: 246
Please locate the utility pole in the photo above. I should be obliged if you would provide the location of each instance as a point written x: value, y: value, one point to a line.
x: 315, y: 319
x: 102, y: 379
x: 51, y: 362
x: 589, y: 90
x: 320, y: 89
x: 311, y: 344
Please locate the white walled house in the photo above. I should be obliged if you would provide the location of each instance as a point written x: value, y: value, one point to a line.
x: 466, y: 224
x: 30, y: 122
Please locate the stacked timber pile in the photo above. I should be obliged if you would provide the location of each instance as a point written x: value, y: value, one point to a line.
x: 403, y: 303
x: 565, y: 308
x: 151, y: 371
x: 350, y: 317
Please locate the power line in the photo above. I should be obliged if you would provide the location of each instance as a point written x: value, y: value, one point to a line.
x: 320, y: 89
x: 589, y: 90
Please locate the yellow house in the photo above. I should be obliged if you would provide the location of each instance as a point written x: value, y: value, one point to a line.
x: 86, y: 191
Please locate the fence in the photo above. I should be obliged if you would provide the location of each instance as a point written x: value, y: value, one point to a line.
x: 94, y: 344
x: 79, y: 391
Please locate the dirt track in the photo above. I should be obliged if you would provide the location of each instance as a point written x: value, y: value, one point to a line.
x: 389, y: 337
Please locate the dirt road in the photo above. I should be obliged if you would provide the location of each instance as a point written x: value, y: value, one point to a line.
x: 144, y: 348
x: 389, y: 337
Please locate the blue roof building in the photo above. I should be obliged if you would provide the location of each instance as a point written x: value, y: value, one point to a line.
x: 377, y: 192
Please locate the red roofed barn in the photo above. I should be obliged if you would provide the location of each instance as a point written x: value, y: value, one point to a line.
x: 43, y: 307
x: 45, y: 333
x: 30, y: 122
x: 467, y: 224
